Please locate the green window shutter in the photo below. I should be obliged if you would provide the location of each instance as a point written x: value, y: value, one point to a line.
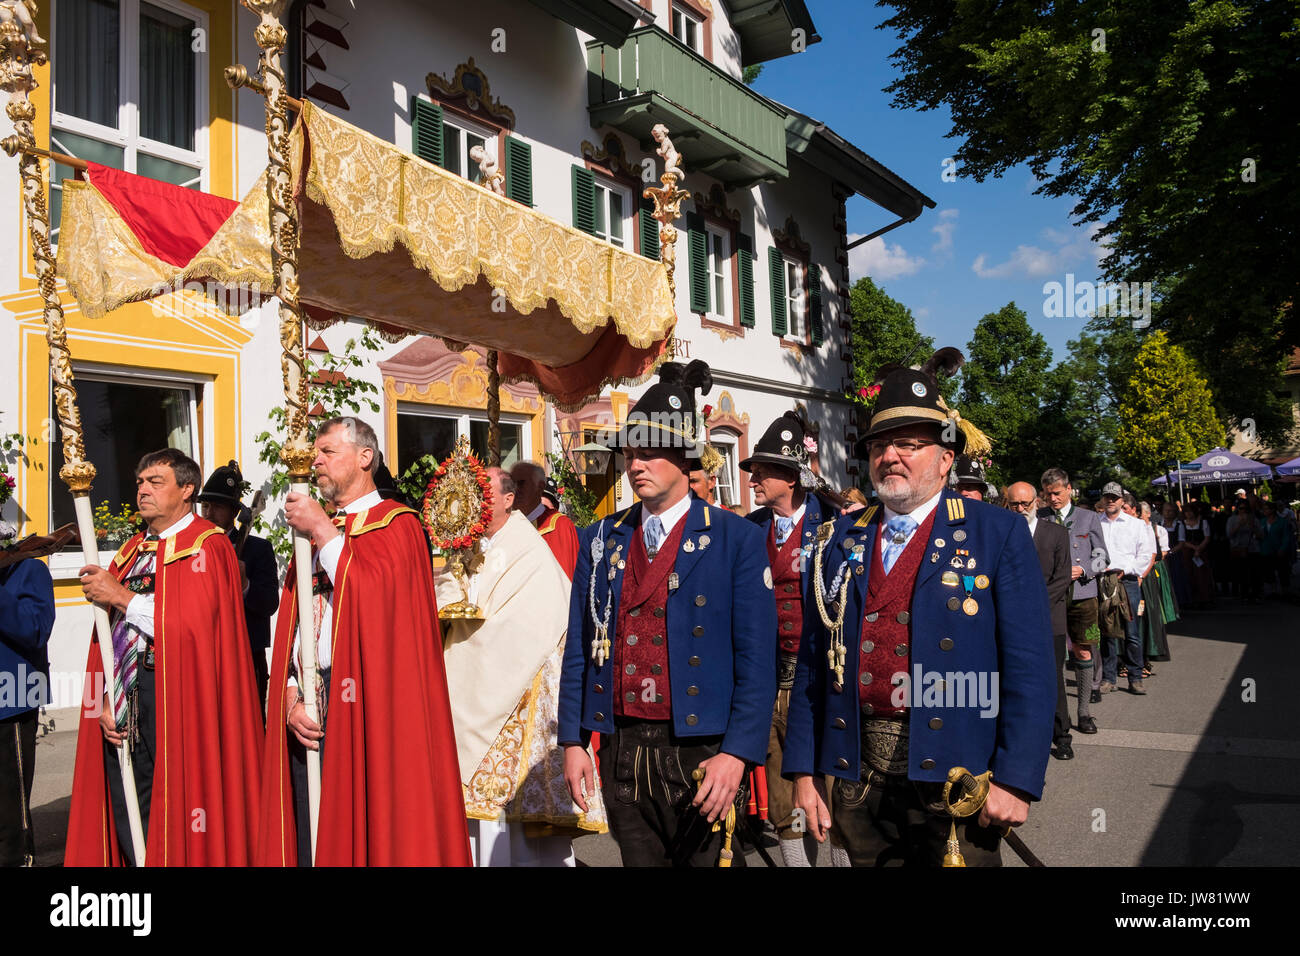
x: 776, y: 280
x: 584, y: 199
x: 698, y: 243
x: 519, y: 171
x: 745, y: 259
x: 426, y: 130
x: 649, y: 230
x: 815, y: 304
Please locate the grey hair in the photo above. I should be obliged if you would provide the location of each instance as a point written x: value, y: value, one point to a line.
x: 356, y: 432
x: 1054, y: 476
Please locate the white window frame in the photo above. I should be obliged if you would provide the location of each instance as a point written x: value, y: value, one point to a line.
x: 726, y: 445
x: 65, y: 565
x: 719, y: 270
x: 604, y: 189
x: 796, y: 300
x: 462, y: 417
x: 464, y: 126
x: 126, y: 135
x: 680, y: 17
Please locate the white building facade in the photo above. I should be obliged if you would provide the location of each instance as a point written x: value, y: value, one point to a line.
x: 563, y: 93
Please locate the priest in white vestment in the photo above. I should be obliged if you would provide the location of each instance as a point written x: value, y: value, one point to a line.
x: 503, y: 678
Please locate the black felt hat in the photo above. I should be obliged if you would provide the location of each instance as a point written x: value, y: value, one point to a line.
x: 551, y: 492
x: 224, y: 487
x: 664, y: 417
x: 967, y: 471
x: 783, y: 445
x: 910, y: 396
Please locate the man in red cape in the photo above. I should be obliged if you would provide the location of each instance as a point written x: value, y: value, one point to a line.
x: 390, y: 782
x: 193, y: 715
x: 532, y: 488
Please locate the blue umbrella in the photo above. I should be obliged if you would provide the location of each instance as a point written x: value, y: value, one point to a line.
x: 1290, y: 469
x: 1218, y: 466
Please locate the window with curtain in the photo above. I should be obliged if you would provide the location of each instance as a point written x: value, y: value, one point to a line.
x: 128, y: 90
x: 123, y: 421
x: 727, y: 486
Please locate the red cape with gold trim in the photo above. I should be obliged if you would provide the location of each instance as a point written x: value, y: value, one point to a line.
x: 390, y: 784
x: 209, y: 721
x: 561, y: 536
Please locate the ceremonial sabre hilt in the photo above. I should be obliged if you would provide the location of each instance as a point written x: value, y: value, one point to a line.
x: 729, y: 822
x: 964, y: 794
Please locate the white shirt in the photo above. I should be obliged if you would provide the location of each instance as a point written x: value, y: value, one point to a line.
x: 139, y: 612
x: 919, y: 516
x: 327, y: 560
x: 670, y: 517
x: 1162, y: 536
x: 1033, y: 523
x: 1129, y: 543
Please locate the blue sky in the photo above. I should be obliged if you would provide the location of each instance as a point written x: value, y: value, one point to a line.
x: 984, y: 244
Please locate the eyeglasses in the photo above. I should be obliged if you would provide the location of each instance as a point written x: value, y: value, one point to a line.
x: 1020, y: 505
x: 906, y: 447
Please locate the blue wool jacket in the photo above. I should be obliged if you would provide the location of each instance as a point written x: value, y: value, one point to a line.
x: 26, y: 619
x: 1004, y: 649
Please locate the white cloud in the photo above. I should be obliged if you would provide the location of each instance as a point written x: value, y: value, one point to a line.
x: 921, y: 312
x: 1064, y: 249
x: 944, y: 229
x: 881, y: 260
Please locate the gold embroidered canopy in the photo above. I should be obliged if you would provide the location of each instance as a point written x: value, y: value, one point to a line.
x: 565, y: 310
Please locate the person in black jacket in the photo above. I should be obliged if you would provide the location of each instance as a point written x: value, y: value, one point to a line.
x: 219, y: 502
x: 1052, y: 542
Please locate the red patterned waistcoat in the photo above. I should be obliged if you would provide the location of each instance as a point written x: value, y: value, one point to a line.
x: 641, y: 640
x: 887, y: 623
x: 787, y: 583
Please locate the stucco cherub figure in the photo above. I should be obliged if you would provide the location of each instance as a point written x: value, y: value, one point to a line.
x: 667, y: 152
x: 489, y: 176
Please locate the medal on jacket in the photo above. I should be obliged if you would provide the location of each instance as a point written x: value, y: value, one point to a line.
x: 600, y: 644
x: 970, y: 606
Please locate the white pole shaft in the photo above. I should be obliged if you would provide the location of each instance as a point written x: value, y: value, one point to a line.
x: 89, y: 554
x: 307, y: 652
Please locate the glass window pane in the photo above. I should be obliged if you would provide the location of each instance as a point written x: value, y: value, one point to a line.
x: 167, y: 171
x: 451, y: 149
x: 83, y: 148
x: 122, y: 424
x: 86, y: 65
x: 512, y: 442
x: 692, y: 34
x: 616, y: 216
x: 602, y: 198
x: 677, y: 24
x: 167, y: 77
x: 420, y: 435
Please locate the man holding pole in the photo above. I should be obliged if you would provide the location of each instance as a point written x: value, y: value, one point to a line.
x: 183, y: 702
x: 390, y: 786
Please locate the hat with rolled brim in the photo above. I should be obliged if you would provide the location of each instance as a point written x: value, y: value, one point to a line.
x: 967, y: 471
x: 785, y: 445
x: 224, y: 487
x: 910, y: 396
x: 551, y: 492
x: 664, y: 417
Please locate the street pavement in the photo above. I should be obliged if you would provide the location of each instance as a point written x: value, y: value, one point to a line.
x: 1202, y: 771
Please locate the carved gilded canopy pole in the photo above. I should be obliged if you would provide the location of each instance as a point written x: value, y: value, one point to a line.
x: 296, y: 452
x: 22, y: 48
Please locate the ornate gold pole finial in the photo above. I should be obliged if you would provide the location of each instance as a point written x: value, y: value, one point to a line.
x: 21, y: 48
x: 296, y: 452
x: 668, y: 200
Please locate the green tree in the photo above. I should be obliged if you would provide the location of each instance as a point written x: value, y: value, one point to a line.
x: 1171, y: 124
x: 1167, y: 410
x: 338, y: 394
x: 751, y: 72
x: 1003, y: 384
x: 884, y: 331
x: 1078, y: 420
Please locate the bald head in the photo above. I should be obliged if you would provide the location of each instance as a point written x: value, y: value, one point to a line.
x: 1020, y: 498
